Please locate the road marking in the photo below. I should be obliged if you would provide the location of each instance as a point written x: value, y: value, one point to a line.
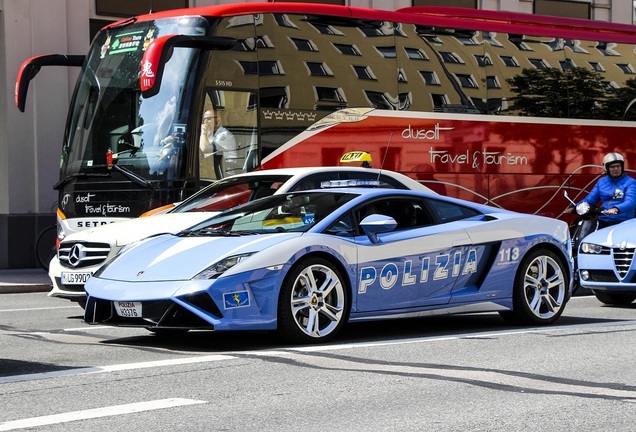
x: 114, y: 368
x: 97, y: 412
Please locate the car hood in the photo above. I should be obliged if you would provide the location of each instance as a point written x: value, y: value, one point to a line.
x: 172, y: 258
x: 122, y: 233
x: 623, y: 234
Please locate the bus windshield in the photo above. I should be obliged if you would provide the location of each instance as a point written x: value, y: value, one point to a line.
x: 108, y: 116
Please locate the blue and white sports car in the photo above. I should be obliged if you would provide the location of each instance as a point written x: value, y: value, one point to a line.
x: 606, y: 263
x: 306, y: 263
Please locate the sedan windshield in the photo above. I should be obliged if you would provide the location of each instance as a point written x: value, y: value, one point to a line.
x: 230, y: 192
x: 296, y: 212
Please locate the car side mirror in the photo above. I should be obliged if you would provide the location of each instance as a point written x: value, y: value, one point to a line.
x: 375, y: 224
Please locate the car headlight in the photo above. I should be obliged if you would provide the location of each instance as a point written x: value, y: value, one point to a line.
x: 220, y: 267
x: 591, y: 248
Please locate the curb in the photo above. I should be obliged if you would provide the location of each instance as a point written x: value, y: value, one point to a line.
x: 19, y: 289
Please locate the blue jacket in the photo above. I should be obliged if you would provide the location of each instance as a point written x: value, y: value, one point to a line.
x: 617, y: 192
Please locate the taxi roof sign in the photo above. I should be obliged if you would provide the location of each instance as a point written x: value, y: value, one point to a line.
x: 356, y: 156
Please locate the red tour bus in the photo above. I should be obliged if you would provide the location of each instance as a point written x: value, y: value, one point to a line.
x: 501, y: 108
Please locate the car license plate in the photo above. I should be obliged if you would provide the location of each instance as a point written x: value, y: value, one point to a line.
x: 71, y: 278
x: 128, y: 309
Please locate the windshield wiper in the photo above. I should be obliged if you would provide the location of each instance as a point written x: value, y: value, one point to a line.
x: 71, y: 177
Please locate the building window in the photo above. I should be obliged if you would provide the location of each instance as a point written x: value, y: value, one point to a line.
x: 264, y: 67
x: 539, y: 63
x: 517, y: 40
x: 492, y: 82
x: 303, y: 44
x: 283, y: 21
x: 401, y: 76
x: 326, y: 29
x: 415, y: 54
x: 318, y: 69
x: 430, y: 77
x: 597, y: 66
x: 563, y: 8
x: 457, y: 3
x: 123, y: 8
x: 450, y: 57
x: 347, y: 49
x: 439, y: 100
x: 483, y: 60
x: 627, y: 68
x: 363, y: 72
x: 329, y: 94
x: 607, y: 48
x: 566, y: 64
x: 466, y: 80
x: 379, y: 100
x: 509, y: 61
x: 274, y: 97
x: 387, y: 51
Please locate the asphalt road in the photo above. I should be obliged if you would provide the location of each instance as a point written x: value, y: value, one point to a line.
x: 457, y: 373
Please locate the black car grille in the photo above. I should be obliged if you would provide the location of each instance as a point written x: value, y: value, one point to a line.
x: 76, y: 288
x: 602, y: 276
x: 82, y: 254
x: 155, y: 314
x: 623, y: 260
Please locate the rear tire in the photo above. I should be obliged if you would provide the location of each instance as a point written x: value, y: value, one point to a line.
x: 314, y: 302
x: 540, y: 289
x: 614, y: 299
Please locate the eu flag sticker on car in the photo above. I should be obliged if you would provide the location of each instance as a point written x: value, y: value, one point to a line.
x: 236, y: 299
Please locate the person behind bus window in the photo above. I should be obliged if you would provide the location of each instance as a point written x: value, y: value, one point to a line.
x: 217, y: 145
x: 616, y: 192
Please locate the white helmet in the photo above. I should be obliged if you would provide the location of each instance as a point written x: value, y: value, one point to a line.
x: 611, y: 158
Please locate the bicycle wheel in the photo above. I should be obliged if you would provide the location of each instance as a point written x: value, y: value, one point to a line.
x: 45, y: 246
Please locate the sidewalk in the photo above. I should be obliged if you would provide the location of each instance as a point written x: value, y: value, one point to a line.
x: 14, y: 281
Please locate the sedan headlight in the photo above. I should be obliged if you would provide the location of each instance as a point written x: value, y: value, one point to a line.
x: 220, y: 267
x: 591, y: 248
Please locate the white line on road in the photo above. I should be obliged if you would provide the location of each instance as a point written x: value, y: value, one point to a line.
x: 37, y: 309
x: 97, y: 412
x: 113, y: 368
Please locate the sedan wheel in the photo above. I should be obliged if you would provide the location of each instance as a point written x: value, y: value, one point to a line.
x: 313, y: 304
x: 540, y: 290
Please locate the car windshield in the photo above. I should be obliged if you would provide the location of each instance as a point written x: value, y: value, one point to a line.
x: 232, y: 191
x: 296, y: 212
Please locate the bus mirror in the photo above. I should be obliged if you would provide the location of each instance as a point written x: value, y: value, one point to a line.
x: 160, y: 50
x: 32, y: 66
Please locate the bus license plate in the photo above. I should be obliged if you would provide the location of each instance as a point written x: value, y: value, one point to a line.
x: 69, y: 278
x: 128, y: 309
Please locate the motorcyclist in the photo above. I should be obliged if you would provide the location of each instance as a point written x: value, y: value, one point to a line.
x: 616, y: 192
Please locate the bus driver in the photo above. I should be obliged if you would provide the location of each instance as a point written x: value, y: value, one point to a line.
x: 217, y: 145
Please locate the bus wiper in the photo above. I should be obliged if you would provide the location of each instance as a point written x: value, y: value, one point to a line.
x: 124, y: 23
x: 69, y: 178
x: 134, y: 177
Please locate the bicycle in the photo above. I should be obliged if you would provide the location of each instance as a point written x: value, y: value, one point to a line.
x: 45, y: 248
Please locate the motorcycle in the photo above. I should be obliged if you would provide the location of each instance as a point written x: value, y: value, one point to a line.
x: 583, y: 225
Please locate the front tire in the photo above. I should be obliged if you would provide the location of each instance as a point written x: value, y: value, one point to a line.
x: 614, y: 299
x: 540, y: 290
x: 314, y: 302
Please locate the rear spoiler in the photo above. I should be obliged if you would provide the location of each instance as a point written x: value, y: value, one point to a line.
x: 32, y: 66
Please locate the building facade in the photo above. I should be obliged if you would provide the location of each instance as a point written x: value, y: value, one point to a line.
x: 30, y: 142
